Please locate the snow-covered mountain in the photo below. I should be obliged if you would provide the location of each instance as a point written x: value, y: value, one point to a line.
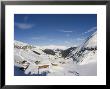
x: 36, y: 60
x: 74, y: 61
x: 87, y: 51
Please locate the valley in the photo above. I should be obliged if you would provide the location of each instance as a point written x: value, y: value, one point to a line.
x: 73, y: 61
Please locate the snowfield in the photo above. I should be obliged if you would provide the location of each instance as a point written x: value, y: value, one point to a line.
x: 80, y: 62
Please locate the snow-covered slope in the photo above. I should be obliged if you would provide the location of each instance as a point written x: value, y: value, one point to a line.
x: 86, y: 52
x: 85, y: 57
x: 34, y: 60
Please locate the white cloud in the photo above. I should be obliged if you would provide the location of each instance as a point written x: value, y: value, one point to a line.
x: 66, y: 31
x: 90, y: 30
x: 24, y: 25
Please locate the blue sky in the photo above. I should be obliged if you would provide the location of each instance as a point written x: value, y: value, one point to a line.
x: 54, y: 29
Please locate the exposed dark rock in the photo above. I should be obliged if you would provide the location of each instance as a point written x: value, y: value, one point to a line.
x: 49, y: 51
x: 37, y: 62
x: 66, y: 52
x: 36, y: 52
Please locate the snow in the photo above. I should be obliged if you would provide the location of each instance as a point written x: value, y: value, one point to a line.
x: 55, y: 65
x: 89, y: 69
x: 18, y: 43
x: 86, y: 55
x: 90, y: 57
x: 32, y: 69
